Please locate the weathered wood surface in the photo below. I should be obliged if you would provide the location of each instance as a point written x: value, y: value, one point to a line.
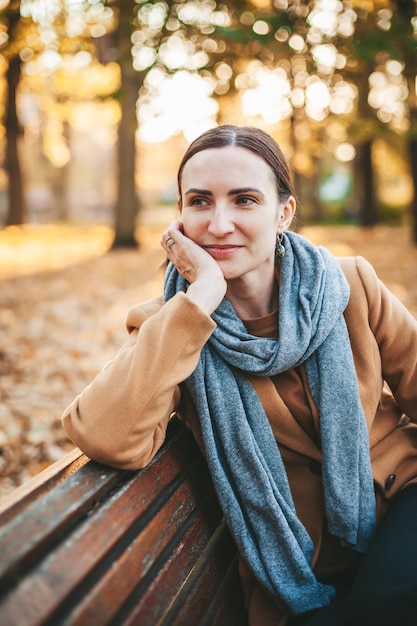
x: 85, y: 545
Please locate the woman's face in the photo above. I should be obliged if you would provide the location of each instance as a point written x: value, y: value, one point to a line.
x: 230, y: 207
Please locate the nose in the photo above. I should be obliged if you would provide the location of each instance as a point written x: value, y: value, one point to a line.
x: 221, y: 222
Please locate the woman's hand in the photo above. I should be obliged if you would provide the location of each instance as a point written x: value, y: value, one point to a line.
x: 207, y: 284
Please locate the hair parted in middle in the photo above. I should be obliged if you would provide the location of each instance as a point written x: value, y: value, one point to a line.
x: 250, y: 138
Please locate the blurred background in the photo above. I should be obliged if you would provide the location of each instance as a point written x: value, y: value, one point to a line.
x: 98, y: 101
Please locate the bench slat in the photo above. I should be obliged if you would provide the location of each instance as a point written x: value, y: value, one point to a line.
x: 222, y: 611
x: 34, y: 529
x: 137, y: 560
x: 208, y: 574
x: 115, y: 548
x: 148, y: 604
x: 37, y: 486
x: 45, y: 520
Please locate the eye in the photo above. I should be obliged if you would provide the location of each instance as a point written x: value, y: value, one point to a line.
x: 246, y: 200
x: 197, y: 201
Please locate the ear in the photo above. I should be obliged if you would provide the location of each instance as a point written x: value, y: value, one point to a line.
x: 287, y: 212
x: 179, y: 206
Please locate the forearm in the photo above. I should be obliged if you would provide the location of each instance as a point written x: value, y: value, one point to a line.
x: 121, y: 417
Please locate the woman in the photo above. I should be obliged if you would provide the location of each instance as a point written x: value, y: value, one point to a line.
x: 295, y: 372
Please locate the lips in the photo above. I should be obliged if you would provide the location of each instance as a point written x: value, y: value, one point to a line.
x: 221, y: 251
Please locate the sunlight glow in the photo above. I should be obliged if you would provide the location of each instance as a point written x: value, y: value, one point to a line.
x: 268, y: 93
x: 297, y: 43
x: 317, y: 100
x: 153, y: 15
x: 260, y: 27
x: 175, y: 104
x: 183, y: 101
x: 49, y: 62
x: 384, y: 19
x: 388, y: 93
x: 297, y: 97
x: 177, y: 53
x: 345, y: 152
x: 324, y: 16
x: 343, y: 98
x: 144, y: 57
x: 329, y: 18
x: 325, y: 56
x: 270, y: 98
x: 41, y: 11
x: 200, y: 13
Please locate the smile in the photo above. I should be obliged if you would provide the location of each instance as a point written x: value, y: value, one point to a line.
x: 221, y: 251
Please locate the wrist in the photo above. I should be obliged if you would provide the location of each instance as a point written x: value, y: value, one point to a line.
x: 207, y: 295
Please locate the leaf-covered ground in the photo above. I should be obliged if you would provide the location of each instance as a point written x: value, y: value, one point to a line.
x: 63, y: 299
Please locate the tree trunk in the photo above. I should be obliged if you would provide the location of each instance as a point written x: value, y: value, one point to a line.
x: 16, y: 211
x: 364, y: 179
x: 406, y: 9
x: 59, y: 183
x: 413, y: 164
x: 127, y: 203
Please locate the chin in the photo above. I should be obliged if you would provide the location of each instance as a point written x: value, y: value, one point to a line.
x: 230, y: 275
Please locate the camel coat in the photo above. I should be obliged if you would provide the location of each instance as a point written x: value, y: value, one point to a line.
x: 120, y: 419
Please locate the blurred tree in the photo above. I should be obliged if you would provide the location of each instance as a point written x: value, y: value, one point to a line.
x: 315, y: 60
x: 361, y: 51
x: 406, y: 14
x: 47, y: 38
x: 168, y: 36
x: 332, y: 48
x: 127, y: 202
x: 12, y: 26
x: 327, y: 54
x: 382, y: 55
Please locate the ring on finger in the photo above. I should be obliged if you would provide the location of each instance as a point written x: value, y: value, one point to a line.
x: 170, y: 242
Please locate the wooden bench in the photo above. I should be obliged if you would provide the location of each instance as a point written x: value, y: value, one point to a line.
x: 83, y: 544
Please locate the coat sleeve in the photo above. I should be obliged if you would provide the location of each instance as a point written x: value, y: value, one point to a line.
x: 120, y: 419
x: 395, y: 332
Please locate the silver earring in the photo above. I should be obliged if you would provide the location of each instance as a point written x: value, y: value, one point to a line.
x: 279, y: 247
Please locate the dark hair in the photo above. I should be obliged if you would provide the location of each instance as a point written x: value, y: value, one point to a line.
x: 250, y: 138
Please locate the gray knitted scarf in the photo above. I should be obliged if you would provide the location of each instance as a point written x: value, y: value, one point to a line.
x: 242, y: 453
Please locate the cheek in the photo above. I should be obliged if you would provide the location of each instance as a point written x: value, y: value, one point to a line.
x: 192, y: 225
x: 265, y: 241
x: 264, y: 235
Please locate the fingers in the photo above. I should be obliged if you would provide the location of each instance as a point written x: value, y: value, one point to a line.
x: 168, y: 237
x: 190, y: 259
x: 167, y: 243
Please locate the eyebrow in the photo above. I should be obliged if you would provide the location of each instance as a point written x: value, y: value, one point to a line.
x: 203, y: 192
x: 232, y: 192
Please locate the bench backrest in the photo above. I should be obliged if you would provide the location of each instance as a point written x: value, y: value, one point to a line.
x: 91, y: 545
